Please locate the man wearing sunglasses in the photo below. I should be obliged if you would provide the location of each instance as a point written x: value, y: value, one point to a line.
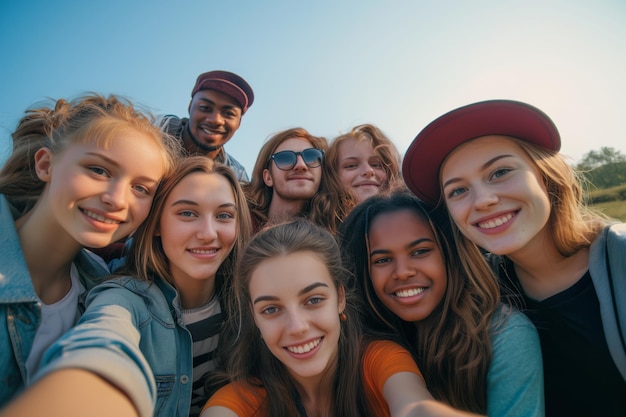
x: 219, y: 99
x: 287, y: 175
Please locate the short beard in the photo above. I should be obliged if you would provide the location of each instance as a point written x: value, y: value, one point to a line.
x: 201, y: 145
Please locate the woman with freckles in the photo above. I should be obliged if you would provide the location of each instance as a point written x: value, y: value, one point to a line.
x: 496, y: 169
x: 440, y: 297
x: 296, y: 347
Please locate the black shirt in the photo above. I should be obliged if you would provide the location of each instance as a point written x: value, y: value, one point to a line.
x: 580, y: 376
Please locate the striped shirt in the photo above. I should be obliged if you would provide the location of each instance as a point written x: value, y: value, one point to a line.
x: 204, y: 325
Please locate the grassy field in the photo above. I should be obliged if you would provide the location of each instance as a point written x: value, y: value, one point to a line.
x: 610, y: 201
x: 615, y: 209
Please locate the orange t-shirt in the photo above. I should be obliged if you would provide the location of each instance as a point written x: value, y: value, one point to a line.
x: 381, y: 360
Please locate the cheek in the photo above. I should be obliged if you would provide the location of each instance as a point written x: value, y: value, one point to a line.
x: 346, y: 177
x: 455, y: 209
x: 140, y: 209
x: 379, y: 279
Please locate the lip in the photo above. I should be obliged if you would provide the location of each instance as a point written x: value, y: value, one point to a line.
x: 300, y: 351
x: 367, y: 184
x: 412, y: 293
x: 211, y: 132
x: 300, y: 177
x: 496, y: 222
x: 203, y: 252
x: 101, y: 219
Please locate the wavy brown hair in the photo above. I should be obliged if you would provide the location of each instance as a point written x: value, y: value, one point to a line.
x: 452, y: 346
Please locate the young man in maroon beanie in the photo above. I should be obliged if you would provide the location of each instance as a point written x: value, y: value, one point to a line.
x: 218, y: 101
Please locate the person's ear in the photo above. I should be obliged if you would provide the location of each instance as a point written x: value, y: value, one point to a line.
x: 267, y: 178
x: 43, y: 164
x: 341, y: 292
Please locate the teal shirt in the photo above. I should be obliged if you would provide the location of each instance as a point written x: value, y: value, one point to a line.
x: 515, y: 377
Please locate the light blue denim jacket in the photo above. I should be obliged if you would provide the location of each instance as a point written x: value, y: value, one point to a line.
x: 133, y: 335
x: 20, y: 308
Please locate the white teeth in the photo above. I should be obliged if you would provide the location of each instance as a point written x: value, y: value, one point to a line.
x: 304, y: 348
x: 495, y: 223
x: 99, y: 217
x: 202, y: 252
x: 409, y: 293
x: 210, y: 132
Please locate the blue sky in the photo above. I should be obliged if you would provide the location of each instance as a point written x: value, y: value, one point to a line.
x: 327, y: 65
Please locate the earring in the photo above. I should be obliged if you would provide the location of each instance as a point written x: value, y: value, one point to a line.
x: 343, y: 317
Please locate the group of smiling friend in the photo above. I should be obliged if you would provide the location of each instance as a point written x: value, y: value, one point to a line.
x: 468, y: 278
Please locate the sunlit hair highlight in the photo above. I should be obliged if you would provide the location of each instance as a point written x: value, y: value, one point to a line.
x: 92, y: 118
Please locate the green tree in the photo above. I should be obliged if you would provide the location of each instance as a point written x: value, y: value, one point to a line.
x: 604, y: 168
x: 594, y: 159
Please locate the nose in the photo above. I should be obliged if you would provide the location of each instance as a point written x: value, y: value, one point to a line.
x: 116, y: 194
x: 206, y: 230
x: 403, y: 270
x: 484, y: 196
x: 368, y: 171
x: 300, y: 164
x: 298, y: 323
x: 215, y: 118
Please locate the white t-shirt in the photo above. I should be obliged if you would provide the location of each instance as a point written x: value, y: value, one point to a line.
x: 56, y: 319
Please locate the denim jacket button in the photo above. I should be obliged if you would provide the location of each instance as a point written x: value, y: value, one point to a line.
x: 184, y: 379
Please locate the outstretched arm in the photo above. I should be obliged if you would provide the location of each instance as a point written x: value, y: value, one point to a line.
x: 69, y: 393
x: 407, y: 396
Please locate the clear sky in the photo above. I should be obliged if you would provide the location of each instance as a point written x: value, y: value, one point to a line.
x: 327, y: 65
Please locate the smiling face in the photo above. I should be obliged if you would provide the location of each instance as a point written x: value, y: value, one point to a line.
x: 299, y: 183
x: 360, y: 169
x: 100, y: 194
x: 495, y: 195
x: 407, y: 268
x: 214, y: 118
x: 198, y: 229
x: 296, y: 307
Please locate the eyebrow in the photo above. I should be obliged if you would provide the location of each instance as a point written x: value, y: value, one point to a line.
x: 410, y: 245
x: 303, y: 291
x: 224, y: 106
x: 485, y: 165
x: 117, y: 165
x: 195, y: 203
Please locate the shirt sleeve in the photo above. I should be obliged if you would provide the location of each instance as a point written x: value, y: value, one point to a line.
x: 515, y: 377
x: 384, y: 358
x: 106, y: 342
x: 241, y: 401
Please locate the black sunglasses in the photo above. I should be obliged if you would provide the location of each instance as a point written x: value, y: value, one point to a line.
x: 286, y: 160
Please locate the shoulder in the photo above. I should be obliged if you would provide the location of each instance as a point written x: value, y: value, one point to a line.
x: 172, y: 124
x: 387, y: 358
x: 138, y: 296
x: 239, y: 169
x: 513, y: 335
x: 243, y: 400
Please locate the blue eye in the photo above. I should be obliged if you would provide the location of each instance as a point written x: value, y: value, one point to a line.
x: 98, y: 170
x: 501, y: 172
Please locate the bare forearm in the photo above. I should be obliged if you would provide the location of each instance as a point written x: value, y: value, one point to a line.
x: 69, y: 393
